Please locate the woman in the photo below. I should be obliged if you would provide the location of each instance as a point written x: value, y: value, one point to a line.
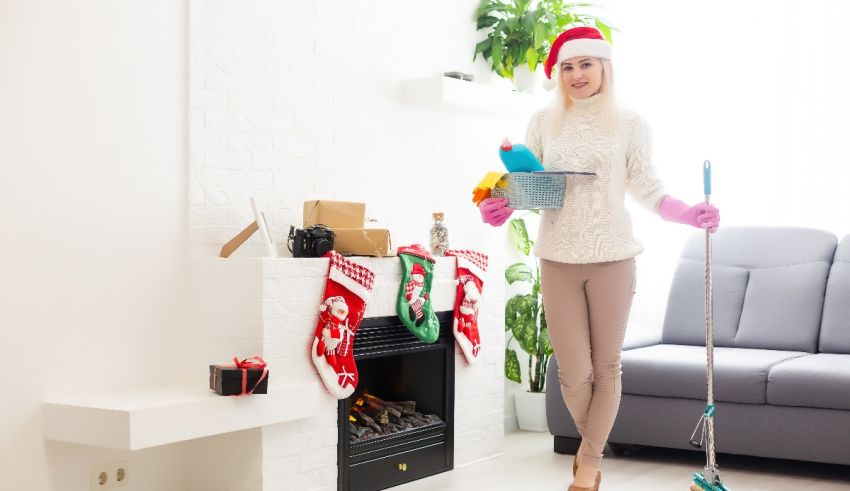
x: 586, y: 248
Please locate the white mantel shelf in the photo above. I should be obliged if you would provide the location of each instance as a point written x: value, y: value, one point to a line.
x: 137, y: 419
x: 440, y: 90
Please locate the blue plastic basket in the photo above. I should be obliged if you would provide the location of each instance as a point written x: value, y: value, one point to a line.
x: 532, y: 190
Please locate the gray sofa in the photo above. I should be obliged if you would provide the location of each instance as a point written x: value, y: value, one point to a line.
x: 781, y: 358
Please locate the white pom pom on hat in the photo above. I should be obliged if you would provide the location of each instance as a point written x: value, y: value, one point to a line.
x: 578, y: 41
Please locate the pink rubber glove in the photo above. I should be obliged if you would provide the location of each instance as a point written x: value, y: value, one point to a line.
x: 701, y: 215
x: 495, y: 211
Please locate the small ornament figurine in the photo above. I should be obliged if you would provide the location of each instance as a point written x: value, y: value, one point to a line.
x: 439, y: 235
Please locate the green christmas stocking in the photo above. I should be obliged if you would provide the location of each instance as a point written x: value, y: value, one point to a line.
x: 414, y: 297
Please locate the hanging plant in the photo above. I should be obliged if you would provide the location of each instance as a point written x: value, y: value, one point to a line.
x: 522, y: 31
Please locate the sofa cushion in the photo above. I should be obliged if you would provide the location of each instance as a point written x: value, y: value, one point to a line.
x: 835, y: 325
x: 684, y: 322
x: 818, y: 381
x: 669, y: 370
x: 776, y: 275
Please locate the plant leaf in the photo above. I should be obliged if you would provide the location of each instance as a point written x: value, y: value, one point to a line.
x: 518, y: 272
x: 519, y: 236
x: 486, y: 21
x: 527, y: 21
x: 482, y: 47
x: 544, y: 343
x: 605, y: 30
x: 512, y: 366
x: 539, y: 34
x: 496, y: 53
x: 531, y: 56
x: 521, y: 317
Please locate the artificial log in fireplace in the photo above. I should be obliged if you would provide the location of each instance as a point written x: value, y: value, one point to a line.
x: 399, y: 424
x: 372, y: 417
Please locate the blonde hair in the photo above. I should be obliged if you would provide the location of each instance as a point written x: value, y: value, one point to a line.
x: 562, y: 103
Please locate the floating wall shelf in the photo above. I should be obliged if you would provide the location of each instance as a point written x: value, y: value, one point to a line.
x: 136, y: 419
x: 439, y: 90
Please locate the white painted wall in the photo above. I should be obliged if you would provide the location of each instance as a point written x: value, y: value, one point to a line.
x: 755, y: 89
x: 93, y: 149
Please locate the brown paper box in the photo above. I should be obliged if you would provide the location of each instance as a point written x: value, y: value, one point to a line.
x: 363, y: 241
x: 334, y: 214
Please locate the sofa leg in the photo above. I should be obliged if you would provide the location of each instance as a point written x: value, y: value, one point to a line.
x: 566, y: 445
x: 624, y: 449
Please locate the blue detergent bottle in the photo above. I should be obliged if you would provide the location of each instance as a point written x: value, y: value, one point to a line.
x: 518, y: 158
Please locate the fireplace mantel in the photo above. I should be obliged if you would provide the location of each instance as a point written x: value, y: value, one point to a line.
x: 268, y: 307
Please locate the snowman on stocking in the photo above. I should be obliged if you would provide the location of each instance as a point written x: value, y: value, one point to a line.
x: 348, y: 288
x: 336, y: 336
x: 415, y: 293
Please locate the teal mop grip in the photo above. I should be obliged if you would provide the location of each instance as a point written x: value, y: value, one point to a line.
x: 706, y: 177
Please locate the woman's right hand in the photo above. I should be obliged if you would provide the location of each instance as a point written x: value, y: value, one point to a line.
x: 495, y: 211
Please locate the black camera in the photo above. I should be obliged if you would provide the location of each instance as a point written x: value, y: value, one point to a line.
x: 312, y: 241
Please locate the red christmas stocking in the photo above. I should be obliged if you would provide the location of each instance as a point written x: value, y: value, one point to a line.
x: 471, y: 267
x: 346, y: 293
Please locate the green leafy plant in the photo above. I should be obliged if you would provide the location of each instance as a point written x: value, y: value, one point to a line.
x: 525, y: 317
x: 522, y: 31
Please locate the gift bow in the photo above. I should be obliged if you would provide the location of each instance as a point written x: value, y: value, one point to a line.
x: 244, y: 365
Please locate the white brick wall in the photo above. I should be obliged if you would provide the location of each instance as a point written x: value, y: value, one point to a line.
x: 292, y: 101
x: 248, y: 306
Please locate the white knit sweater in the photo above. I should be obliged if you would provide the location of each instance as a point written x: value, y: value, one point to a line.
x: 594, y: 225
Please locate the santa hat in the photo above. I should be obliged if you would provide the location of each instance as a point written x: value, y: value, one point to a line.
x: 578, y: 41
x: 417, y: 269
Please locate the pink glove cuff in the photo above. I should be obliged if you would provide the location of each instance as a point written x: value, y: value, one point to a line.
x: 701, y: 215
x: 672, y: 209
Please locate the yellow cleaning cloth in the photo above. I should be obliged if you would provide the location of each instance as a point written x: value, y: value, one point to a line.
x: 482, y: 190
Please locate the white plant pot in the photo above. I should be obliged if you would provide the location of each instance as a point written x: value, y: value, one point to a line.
x: 531, y: 410
x: 527, y: 81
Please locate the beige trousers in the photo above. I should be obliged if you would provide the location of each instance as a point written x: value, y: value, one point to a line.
x: 587, y: 308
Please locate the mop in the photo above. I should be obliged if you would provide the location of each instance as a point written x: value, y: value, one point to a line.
x: 709, y: 479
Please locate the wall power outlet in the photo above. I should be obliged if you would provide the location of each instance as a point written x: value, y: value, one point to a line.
x: 114, y: 475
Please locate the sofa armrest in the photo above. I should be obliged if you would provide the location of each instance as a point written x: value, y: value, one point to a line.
x: 641, y: 339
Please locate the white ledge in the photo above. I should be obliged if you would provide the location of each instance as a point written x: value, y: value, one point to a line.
x: 143, y: 418
x: 469, y: 95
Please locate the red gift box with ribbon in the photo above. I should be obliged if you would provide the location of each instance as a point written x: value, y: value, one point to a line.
x: 249, y: 376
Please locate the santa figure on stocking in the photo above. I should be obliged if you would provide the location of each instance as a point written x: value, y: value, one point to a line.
x: 415, y: 293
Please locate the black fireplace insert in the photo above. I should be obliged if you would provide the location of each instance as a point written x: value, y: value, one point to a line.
x: 398, y: 426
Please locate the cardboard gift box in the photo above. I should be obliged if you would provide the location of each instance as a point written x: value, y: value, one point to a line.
x: 334, y: 214
x: 363, y: 241
x: 242, y: 378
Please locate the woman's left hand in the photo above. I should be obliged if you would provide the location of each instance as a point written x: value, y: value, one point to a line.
x: 701, y: 215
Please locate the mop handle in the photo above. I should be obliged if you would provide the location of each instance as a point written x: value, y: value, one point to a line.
x: 709, y: 333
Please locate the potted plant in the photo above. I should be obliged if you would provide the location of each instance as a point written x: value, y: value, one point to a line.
x: 520, y: 33
x: 525, y: 318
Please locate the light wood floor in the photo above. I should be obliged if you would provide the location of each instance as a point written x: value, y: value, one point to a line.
x: 529, y: 463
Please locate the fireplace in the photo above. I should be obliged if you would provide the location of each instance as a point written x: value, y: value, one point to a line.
x: 399, y: 424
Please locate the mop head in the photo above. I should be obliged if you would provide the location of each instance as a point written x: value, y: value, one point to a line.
x: 701, y: 484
